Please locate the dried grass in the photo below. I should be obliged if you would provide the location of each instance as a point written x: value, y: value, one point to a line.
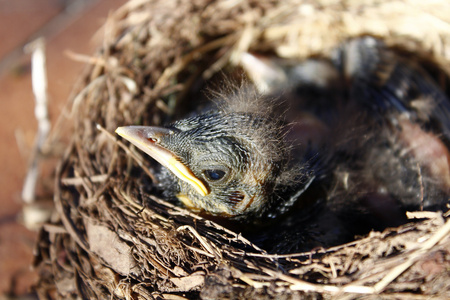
x: 112, y: 238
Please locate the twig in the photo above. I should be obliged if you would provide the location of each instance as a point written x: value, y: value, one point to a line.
x: 206, y: 244
x: 85, y: 58
x: 256, y: 284
x: 203, y: 252
x: 39, y: 84
x: 394, y: 273
x: 422, y: 214
x: 79, y: 180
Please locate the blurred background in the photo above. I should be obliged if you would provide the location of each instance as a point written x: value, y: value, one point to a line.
x: 66, y: 25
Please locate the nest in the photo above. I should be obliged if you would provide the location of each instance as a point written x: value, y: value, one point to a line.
x: 111, y: 237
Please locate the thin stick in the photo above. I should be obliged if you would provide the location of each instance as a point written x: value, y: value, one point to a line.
x: 79, y: 180
x: 397, y: 271
x: 206, y: 244
x: 39, y: 84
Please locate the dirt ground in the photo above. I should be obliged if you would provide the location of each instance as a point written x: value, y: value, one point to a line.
x: 66, y: 25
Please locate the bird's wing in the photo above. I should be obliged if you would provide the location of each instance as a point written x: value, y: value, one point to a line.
x: 385, y: 82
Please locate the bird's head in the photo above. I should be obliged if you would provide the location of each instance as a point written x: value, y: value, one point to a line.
x: 224, y: 163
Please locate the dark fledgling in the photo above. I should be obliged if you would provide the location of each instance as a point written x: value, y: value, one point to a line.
x: 324, y: 151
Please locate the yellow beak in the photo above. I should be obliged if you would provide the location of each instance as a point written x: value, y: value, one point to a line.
x: 147, y: 139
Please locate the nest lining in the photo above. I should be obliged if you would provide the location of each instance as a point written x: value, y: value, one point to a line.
x: 112, y: 238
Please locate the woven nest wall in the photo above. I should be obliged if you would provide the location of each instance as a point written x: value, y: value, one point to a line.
x: 111, y: 238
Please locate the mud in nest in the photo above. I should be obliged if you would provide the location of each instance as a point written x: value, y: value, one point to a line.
x: 112, y: 237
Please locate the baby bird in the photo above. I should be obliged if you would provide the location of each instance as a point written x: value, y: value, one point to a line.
x: 355, y: 140
x: 227, y: 162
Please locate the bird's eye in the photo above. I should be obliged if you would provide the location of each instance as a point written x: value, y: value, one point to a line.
x: 214, y: 174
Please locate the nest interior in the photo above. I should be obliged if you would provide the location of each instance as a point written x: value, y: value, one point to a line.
x: 113, y: 238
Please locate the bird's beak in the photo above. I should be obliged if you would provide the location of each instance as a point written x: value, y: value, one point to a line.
x: 147, y: 139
